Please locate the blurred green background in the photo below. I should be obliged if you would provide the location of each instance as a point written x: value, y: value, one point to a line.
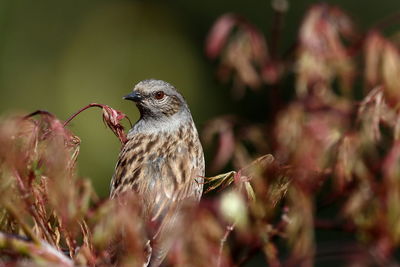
x: 62, y: 55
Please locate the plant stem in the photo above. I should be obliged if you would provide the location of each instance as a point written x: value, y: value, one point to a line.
x: 228, y: 230
x: 79, y: 111
x: 34, y: 250
x: 27, y: 230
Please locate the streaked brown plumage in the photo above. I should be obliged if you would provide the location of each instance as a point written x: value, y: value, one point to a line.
x: 162, y: 162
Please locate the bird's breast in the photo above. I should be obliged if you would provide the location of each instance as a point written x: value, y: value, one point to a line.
x: 154, y: 164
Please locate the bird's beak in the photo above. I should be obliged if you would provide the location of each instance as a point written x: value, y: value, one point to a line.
x: 134, y: 96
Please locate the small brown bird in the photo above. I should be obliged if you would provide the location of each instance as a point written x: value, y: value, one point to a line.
x: 162, y: 162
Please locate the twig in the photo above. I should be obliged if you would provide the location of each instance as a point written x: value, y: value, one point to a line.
x: 111, y: 118
x: 80, y: 110
x: 85, y: 108
x: 280, y: 7
x: 228, y: 230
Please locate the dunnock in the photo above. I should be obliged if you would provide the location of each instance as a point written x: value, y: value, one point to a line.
x: 162, y: 162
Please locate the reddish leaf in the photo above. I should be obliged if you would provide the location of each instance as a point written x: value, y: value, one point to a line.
x: 391, y: 73
x: 243, y: 52
x: 374, y: 44
x: 219, y: 33
x: 223, y: 129
x: 323, y: 53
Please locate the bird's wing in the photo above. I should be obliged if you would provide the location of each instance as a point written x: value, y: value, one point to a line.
x: 180, y: 179
x: 179, y: 186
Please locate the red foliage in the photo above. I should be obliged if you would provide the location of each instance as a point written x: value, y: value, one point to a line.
x: 324, y: 162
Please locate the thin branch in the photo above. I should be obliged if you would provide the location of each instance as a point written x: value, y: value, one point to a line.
x: 228, y: 230
x: 79, y: 111
x: 111, y: 118
x: 280, y: 7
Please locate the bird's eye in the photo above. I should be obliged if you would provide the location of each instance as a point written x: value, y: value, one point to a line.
x: 159, y: 95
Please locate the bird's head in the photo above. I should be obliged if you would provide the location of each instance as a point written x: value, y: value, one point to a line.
x: 157, y: 99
